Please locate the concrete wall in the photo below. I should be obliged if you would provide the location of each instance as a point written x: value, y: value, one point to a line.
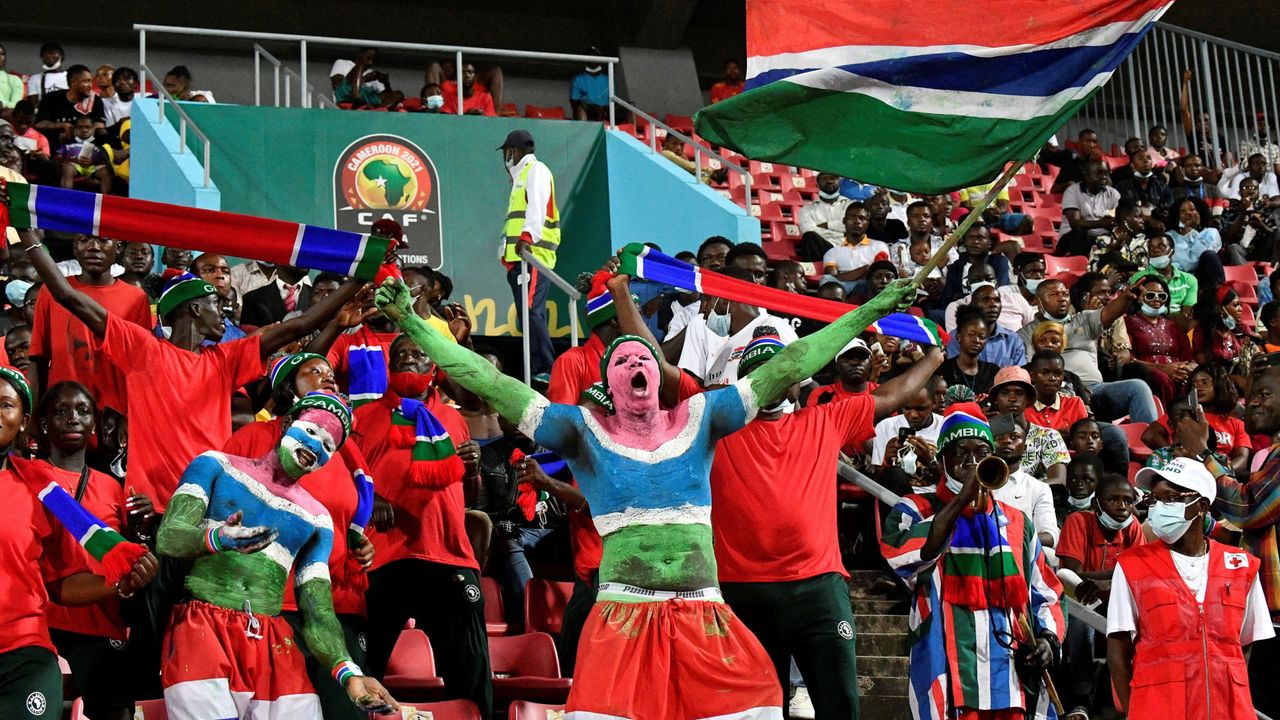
x: 653, y: 200
x: 157, y: 171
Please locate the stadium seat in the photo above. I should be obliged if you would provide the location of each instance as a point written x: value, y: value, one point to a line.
x: 784, y: 231
x: 769, y: 212
x: 799, y: 184
x: 681, y: 123
x: 495, y: 615
x: 150, y: 710
x: 544, y: 603
x: 509, y: 110
x: 1062, y: 266
x: 779, y: 249
x: 1248, y: 291
x: 525, y: 667
x: 547, y: 113
x: 1138, y: 450
x: 444, y: 710
x: 1247, y: 318
x: 1241, y: 273
x: 525, y: 710
x: 77, y: 709
x: 758, y: 168
x: 411, y: 670
x: 765, y: 181
x: 1113, y: 162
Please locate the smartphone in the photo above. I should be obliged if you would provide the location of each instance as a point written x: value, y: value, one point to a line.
x: 1194, y: 399
x: 904, y: 433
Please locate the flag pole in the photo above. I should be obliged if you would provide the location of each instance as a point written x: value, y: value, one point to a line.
x: 940, y: 256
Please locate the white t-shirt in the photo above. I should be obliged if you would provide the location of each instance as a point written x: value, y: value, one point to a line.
x: 821, y: 212
x: 887, y: 429
x: 715, y: 359
x: 115, y: 109
x: 1091, y: 207
x: 1266, y: 188
x: 851, y: 257
x: 342, y: 67
x: 1015, y: 311
x: 53, y: 80
x: 1033, y: 498
x: 1122, y: 611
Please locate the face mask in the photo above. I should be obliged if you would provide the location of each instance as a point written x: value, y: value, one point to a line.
x: 1168, y: 521
x: 1110, y: 523
x: 981, y: 283
x: 718, y: 323
x: 1154, y: 312
x: 1143, y: 175
x: 1083, y: 503
x: 1065, y: 317
x: 782, y: 406
x: 435, y: 102
x: 1229, y: 321
x: 593, y: 68
x: 54, y: 66
x: 953, y: 484
x: 829, y: 196
x: 924, y: 489
x: 1031, y: 283
x: 910, y: 463
x: 1161, y: 262
x: 508, y: 160
x: 409, y: 385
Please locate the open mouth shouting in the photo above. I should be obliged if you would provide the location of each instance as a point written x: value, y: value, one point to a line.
x: 639, y: 384
x: 305, y: 458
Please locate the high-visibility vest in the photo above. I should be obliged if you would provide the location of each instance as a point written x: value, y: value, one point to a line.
x: 544, y: 247
x: 1188, y: 661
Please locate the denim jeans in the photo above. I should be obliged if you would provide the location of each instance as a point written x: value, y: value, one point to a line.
x: 540, y: 353
x: 1123, y: 397
x: 509, y: 565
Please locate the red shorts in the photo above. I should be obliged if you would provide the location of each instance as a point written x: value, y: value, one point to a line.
x: 214, y: 669
x: 672, y: 660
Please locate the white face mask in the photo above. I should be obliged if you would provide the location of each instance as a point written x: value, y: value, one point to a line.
x: 924, y: 489
x: 1083, y: 503
x: 1031, y: 283
x: 509, y: 160
x: 784, y: 406
x: 1110, y: 523
x: 594, y: 68
x: 981, y: 283
x: 435, y: 102
x: 829, y: 196
x: 953, y: 484
x: 718, y: 323
x: 909, y: 461
x: 1161, y: 262
x: 1168, y: 521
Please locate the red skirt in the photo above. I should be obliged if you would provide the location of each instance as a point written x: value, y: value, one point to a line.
x: 222, y: 663
x: 672, y: 660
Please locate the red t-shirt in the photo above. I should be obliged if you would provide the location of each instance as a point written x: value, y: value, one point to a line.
x: 337, y: 354
x: 837, y: 391
x: 430, y: 524
x: 773, y: 512
x: 479, y: 100
x: 332, y: 486
x: 723, y: 91
x: 103, y: 497
x: 179, y: 401
x: 576, y: 370
x: 1229, y: 431
x: 1069, y: 410
x: 1082, y: 540
x: 34, y: 550
x: 66, y: 343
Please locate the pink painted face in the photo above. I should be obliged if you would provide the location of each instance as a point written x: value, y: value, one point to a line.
x: 633, y: 378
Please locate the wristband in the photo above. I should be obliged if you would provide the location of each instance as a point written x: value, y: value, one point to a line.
x: 344, y: 670
x: 211, y: 541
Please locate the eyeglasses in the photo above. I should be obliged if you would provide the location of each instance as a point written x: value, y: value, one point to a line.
x: 1150, y: 296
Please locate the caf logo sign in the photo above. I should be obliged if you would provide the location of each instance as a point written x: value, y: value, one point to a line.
x: 386, y: 176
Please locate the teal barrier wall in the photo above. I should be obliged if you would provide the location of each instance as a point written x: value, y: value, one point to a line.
x: 165, y: 174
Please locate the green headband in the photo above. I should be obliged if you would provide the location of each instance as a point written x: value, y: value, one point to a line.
x: 286, y: 367
x: 324, y: 401
x: 595, y: 393
x: 19, y: 383
x: 179, y: 293
x: 608, y: 353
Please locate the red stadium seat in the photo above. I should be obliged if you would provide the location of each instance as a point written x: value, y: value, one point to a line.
x: 681, y: 123
x: 1138, y: 450
x: 1247, y: 318
x: 768, y: 212
x: 544, y: 603
x: 548, y: 113
x: 446, y: 710
x: 765, y: 181
x: 784, y: 231
x: 77, y: 709
x: 1241, y: 273
x: 495, y: 615
x: 411, y: 670
x: 780, y: 249
x: 525, y: 667
x: 150, y: 710
x: 1246, y: 290
x: 509, y: 110
x: 525, y: 710
x: 1059, y: 267
x: 798, y: 184
x: 412, y: 104
x: 764, y: 168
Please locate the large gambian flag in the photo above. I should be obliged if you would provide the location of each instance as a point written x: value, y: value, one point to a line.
x: 925, y: 97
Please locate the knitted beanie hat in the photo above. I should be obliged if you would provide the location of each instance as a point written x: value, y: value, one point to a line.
x: 596, y: 394
x: 608, y: 353
x: 19, y: 383
x: 319, y: 400
x: 179, y: 290
x: 283, y: 370
x: 757, y: 351
x: 964, y: 420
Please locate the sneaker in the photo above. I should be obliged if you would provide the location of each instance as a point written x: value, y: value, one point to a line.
x: 800, y: 707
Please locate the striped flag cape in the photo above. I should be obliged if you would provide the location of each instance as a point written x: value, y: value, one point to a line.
x: 925, y: 98
x: 413, y: 425
x: 644, y: 262
x: 274, y: 241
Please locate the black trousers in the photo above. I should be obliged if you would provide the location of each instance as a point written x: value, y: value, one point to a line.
x: 335, y: 704
x: 31, y: 685
x: 447, y: 605
x: 812, y: 621
x: 1264, y: 658
x: 147, y: 615
x: 101, y: 671
x: 576, y: 612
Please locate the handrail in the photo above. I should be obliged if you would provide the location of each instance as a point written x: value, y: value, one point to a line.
x: 1217, y: 40
x: 573, y: 293
x: 184, y: 119
x: 698, y: 149
x: 259, y: 51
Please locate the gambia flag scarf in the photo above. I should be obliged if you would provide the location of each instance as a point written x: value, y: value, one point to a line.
x: 527, y: 496
x: 435, y: 462
x: 979, y: 570
x: 642, y: 261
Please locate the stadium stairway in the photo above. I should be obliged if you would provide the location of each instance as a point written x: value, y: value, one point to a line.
x: 881, y: 624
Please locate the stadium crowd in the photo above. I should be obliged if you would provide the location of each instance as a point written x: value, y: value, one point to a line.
x: 1120, y: 365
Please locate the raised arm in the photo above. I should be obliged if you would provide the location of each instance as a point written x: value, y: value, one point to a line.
x: 508, y: 396
x: 891, y: 396
x: 1184, y: 103
x: 280, y: 334
x: 803, y: 358
x: 85, y: 308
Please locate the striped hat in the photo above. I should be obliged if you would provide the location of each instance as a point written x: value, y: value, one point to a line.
x: 319, y: 400
x: 282, y: 371
x: 761, y: 348
x: 600, y: 307
x: 608, y: 353
x: 179, y: 290
x: 19, y: 383
x: 963, y: 421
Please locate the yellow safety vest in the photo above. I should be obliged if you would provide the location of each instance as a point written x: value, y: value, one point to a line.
x: 544, y: 247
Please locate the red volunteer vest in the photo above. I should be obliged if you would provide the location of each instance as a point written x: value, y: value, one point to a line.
x: 1188, y: 661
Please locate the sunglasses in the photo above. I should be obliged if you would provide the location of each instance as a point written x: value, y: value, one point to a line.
x: 1150, y: 296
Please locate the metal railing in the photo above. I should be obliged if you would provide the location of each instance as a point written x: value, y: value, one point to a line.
x: 699, y: 150
x: 304, y: 42
x: 184, y: 120
x: 559, y: 282
x: 1230, y: 85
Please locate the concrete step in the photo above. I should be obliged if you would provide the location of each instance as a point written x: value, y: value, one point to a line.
x: 881, y: 623
x: 869, y: 584
x: 885, y: 707
x: 880, y: 666
x: 891, y: 644
x: 877, y: 605
x: 874, y: 687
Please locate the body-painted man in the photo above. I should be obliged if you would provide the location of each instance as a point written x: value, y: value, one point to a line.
x: 247, y: 522
x: 660, y: 642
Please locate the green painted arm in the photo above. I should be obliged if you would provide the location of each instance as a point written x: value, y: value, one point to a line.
x: 508, y: 396
x: 180, y: 535
x: 803, y: 358
x: 320, y: 628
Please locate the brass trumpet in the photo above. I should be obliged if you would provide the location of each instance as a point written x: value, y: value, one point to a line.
x: 992, y: 473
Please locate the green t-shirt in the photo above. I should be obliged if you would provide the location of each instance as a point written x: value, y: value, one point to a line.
x: 1183, y: 287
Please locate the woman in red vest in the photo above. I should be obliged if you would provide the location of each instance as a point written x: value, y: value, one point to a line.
x: 1182, y: 610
